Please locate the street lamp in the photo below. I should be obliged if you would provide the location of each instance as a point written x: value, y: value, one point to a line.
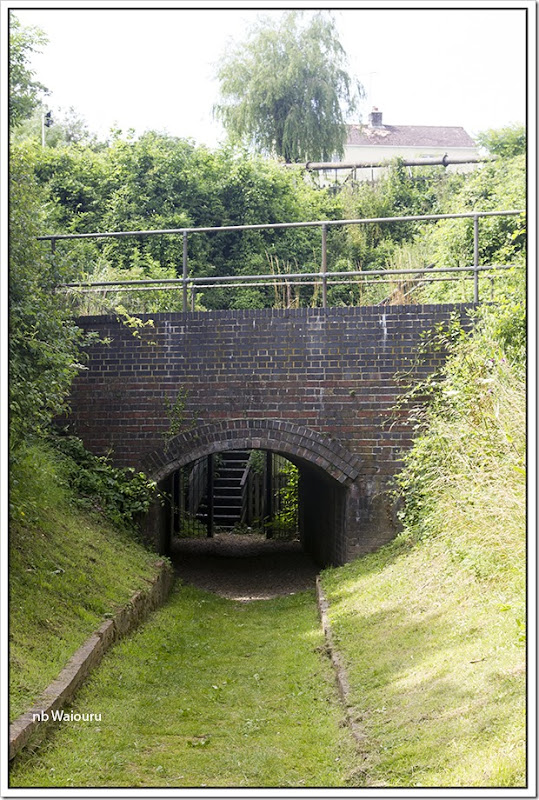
x: 46, y: 122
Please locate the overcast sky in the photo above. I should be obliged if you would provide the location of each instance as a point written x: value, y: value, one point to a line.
x: 155, y: 69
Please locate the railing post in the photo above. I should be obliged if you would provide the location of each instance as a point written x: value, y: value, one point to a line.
x: 184, y: 271
x: 476, y: 258
x: 324, y: 266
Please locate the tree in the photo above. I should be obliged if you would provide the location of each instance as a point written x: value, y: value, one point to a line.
x: 24, y: 91
x: 505, y: 142
x: 43, y: 340
x: 283, y: 90
x: 161, y: 182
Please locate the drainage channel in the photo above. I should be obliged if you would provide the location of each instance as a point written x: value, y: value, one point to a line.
x: 212, y: 691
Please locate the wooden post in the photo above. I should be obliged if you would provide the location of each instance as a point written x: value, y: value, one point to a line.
x: 176, y: 513
x: 268, y: 516
x: 166, y: 519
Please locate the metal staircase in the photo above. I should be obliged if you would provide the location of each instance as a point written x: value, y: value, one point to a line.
x: 228, y: 488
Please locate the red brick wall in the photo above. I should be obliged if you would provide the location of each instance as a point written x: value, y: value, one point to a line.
x: 324, y: 381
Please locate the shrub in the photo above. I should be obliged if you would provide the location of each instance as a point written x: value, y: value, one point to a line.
x: 122, y: 494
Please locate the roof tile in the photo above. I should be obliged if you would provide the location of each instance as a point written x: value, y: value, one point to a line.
x: 408, y: 136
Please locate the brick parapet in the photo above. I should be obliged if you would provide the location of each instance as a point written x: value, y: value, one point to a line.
x: 332, y: 371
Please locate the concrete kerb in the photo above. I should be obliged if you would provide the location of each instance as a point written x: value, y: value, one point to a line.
x: 64, y: 687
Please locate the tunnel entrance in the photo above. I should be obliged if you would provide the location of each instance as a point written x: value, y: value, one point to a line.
x: 261, y: 494
x: 239, y: 491
x: 326, y: 475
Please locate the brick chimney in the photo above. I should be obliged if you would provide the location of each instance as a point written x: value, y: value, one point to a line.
x: 375, y: 118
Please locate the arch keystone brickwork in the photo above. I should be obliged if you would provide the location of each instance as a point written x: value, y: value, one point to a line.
x: 255, y: 434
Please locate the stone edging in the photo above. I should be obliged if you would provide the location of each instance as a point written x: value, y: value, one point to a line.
x: 61, y: 690
x: 340, y: 670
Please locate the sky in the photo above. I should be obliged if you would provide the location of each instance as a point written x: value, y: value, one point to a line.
x: 150, y: 68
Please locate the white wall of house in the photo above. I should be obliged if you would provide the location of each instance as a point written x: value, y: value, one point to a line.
x: 374, y: 155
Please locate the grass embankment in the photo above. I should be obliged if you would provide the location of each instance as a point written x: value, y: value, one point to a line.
x: 68, y: 569
x: 432, y: 626
x: 210, y: 692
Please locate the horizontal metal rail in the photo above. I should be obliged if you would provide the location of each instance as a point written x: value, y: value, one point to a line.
x: 270, y: 278
x: 278, y: 225
x: 444, y: 161
x: 323, y: 276
x: 105, y: 289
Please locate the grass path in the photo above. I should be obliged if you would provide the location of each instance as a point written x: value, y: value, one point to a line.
x: 210, y: 692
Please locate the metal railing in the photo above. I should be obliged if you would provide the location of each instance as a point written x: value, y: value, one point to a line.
x: 323, y: 277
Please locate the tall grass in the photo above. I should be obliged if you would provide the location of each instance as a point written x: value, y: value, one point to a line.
x: 465, y: 477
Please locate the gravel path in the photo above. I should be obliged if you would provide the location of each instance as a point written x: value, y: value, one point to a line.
x: 244, y: 567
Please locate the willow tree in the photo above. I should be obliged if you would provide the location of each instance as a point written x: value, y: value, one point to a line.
x: 285, y: 90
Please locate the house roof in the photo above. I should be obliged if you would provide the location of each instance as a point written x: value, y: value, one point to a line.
x: 408, y: 136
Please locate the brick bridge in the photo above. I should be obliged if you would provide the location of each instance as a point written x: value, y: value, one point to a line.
x: 316, y: 385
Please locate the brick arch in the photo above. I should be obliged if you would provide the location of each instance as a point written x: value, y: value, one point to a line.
x: 254, y: 434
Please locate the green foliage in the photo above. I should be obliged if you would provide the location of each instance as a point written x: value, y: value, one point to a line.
x: 67, y: 128
x: 161, y: 182
x: 176, y: 412
x: 257, y: 461
x: 158, y: 182
x: 285, y: 522
x: 24, y: 90
x: 122, y: 494
x: 109, y: 300
x: 400, y: 192
x: 282, y: 89
x: 68, y: 568
x: 44, y: 342
x: 505, y: 142
x: 133, y: 323
x: 495, y: 186
x: 465, y: 472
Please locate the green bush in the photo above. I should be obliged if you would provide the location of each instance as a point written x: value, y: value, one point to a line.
x: 122, y: 494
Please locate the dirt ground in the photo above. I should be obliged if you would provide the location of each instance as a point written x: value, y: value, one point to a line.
x: 244, y: 567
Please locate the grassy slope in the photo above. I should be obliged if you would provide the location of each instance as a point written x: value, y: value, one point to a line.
x: 436, y: 666
x: 210, y: 692
x: 432, y: 626
x: 67, y: 570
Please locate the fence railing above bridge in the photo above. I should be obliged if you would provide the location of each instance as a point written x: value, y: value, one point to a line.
x: 323, y: 277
